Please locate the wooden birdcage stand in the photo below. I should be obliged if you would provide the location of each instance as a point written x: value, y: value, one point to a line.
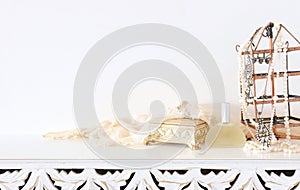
x: 278, y: 121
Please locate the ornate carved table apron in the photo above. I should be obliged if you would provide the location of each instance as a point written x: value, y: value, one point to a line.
x: 30, y: 162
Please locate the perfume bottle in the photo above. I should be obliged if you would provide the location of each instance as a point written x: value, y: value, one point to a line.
x: 230, y: 135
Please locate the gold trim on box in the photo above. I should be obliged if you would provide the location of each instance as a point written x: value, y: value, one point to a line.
x: 191, y: 132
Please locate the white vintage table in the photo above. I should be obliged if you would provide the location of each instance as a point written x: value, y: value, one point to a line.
x: 31, y: 162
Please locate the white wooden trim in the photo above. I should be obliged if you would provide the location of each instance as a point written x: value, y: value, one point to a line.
x: 46, y: 174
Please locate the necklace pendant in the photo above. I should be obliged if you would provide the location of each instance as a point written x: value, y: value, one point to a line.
x: 263, y: 134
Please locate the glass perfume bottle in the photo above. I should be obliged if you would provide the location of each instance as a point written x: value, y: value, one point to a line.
x: 230, y: 135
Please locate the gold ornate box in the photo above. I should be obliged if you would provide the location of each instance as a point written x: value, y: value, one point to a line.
x: 191, y: 132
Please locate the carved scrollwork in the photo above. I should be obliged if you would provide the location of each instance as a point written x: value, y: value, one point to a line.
x: 193, y: 179
x: 13, y: 179
x: 154, y: 179
x: 88, y: 179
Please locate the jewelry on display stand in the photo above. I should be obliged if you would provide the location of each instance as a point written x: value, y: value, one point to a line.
x: 268, y: 125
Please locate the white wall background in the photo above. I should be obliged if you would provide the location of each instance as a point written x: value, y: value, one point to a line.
x: 43, y: 42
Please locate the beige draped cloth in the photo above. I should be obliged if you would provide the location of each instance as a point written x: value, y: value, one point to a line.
x: 113, y: 129
x: 120, y: 135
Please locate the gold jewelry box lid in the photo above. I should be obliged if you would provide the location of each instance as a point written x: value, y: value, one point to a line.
x: 188, y: 122
x: 183, y: 122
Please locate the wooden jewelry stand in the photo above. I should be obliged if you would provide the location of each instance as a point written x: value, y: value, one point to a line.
x: 268, y: 57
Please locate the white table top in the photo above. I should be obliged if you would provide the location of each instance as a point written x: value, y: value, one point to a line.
x: 36, y: 147
x: 33, y: 151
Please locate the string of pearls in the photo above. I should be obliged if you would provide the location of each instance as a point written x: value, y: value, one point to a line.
x: 285, y: 92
